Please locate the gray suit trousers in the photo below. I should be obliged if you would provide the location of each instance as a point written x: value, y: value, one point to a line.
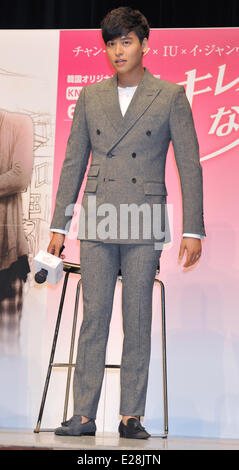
x: 100, y: 263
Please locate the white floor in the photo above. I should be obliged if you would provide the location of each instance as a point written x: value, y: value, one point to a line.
x: 48, y: 440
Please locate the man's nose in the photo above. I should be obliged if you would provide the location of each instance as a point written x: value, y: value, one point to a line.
x: 118, y: 49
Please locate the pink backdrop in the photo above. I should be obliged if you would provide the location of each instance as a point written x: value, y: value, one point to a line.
x: 202, y: 302
x: 205, y: 62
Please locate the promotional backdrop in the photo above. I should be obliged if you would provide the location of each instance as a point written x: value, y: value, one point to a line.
x: 201, y: 302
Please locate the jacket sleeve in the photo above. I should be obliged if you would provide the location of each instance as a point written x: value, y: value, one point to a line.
x: 18, y: 177
x: 73, y: 168
x: 186, y: 150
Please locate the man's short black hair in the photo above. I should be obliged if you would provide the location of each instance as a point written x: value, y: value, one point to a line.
x: 123, y: 20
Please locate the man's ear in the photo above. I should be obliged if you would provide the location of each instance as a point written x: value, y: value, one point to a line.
x: 144, y: 45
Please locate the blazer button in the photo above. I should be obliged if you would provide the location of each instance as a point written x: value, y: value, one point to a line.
x: 98, y: 131
x: 133, y: 180
x: 133, y: 154
x: 148, y: 133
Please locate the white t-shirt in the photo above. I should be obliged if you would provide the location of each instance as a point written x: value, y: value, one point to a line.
x: 125, y: 96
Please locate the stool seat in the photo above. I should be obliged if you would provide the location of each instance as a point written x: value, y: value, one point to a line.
x: 71, y: 267
x: 75, y: 268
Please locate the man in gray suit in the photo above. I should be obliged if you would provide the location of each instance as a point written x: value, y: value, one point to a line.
x: 127, y: 123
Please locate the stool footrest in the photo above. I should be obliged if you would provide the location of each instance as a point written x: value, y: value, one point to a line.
x: 68, y: 364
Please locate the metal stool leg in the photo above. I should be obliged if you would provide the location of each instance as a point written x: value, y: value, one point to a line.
x: 164, y: 358
x: 37, y: 429
x: 70, y: 364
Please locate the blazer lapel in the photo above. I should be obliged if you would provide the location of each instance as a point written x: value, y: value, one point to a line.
x: 110, y: 103
x: 144, y: 95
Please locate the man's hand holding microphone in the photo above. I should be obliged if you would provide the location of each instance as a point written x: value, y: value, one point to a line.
x: 56, y: 245
x: 49, y: 265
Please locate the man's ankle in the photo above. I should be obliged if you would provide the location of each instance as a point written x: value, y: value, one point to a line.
x: 84, y: 419
x: 125, y: 419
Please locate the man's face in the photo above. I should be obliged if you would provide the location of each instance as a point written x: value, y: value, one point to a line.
x: 126, y: 52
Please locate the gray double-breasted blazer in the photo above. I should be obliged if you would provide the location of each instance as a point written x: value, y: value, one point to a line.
x: 126, y: 180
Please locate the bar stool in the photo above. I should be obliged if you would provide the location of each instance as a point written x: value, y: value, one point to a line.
x: 71, y: 268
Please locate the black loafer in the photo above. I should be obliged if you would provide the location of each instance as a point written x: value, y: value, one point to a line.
x: 74, y: 427
x: 133, y: 430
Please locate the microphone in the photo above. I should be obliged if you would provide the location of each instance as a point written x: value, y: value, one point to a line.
x: 41, y: 276
x: 48, y: 267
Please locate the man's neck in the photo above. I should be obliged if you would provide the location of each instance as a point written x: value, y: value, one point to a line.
x: 127, y: 80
